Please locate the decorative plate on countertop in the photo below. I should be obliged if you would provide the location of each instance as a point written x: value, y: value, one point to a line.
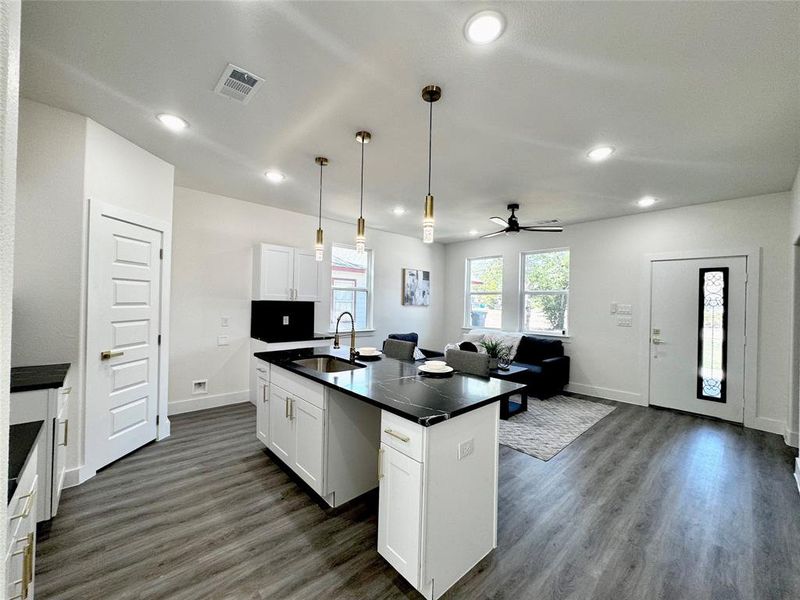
x: 445, y: 372
x: 368, y: 357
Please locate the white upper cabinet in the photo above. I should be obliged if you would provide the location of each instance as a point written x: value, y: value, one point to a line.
x: 284, y: 273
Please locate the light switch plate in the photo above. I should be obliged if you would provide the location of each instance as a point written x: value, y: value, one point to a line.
x: 624, y: 321
x: 285, y: 319
x: 223, y: 340
x: 624, y: 309
x: 613, y: 308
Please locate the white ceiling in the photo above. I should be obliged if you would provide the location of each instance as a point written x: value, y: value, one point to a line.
x: 702, y: 101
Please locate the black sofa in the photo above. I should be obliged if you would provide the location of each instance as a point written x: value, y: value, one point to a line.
x: 546, y: 367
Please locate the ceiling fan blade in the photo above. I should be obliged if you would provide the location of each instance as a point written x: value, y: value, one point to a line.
x: 544, y: 228
x: 489, y: 235
x: 499, y: 221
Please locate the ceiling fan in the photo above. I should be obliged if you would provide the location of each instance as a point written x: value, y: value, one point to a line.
x: 512, y: 225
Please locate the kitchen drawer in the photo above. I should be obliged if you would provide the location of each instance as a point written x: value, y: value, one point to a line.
x: 297, y: 385
x: 23, y: 503
x: 262, y: 368
x: 403, y: 435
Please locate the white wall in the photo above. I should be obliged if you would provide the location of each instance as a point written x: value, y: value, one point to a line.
x: 607, y: 266
x: 9, y: 88
x: 213, y: 239
x: 64, y: 160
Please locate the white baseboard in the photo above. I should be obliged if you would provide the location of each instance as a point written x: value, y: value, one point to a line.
x: 765, y: 424
x: 606, y: 393
x: 177, y: 407
x: 797, y: 472
x: 77, y: 476
x: 791, y: 438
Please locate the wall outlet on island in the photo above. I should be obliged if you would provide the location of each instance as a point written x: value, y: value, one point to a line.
x: 200, y: 386
x: 466, y: 448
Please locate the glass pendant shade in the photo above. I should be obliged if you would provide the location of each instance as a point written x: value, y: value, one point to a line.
x: 319, y: 247
x: 428, y: 221
x: 361, y: 238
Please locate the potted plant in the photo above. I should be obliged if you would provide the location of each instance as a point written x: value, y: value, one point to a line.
x: 495, y: 349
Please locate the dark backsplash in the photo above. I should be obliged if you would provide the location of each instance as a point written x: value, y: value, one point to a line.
x: 267, y: 320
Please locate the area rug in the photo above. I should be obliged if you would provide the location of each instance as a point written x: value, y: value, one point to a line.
x: 549, y: 426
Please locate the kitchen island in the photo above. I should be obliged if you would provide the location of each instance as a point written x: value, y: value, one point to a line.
x: 429, y: 444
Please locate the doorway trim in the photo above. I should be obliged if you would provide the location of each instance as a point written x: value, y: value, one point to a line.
x: 752, y: 296
x: 98, y: 210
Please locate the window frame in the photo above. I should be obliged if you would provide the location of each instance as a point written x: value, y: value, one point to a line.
x: 523, y: 293
x: 468, y: 293
x: 354, y: 289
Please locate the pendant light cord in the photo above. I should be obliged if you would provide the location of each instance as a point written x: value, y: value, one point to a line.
x: 320, y: 196
x: 361, y: 207
x: 430, y: 143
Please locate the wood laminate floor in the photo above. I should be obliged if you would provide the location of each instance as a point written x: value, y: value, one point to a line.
x: 648, y: 504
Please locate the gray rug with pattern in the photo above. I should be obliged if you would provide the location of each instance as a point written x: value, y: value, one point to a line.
x: 551, y: 425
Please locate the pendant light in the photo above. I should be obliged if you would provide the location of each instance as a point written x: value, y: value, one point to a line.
x: 363, y: 138
x: 319, y: 246
x: 430, y: 93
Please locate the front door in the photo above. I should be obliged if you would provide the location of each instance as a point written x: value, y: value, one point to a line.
x: 122, y: 353
x: 697, y: 336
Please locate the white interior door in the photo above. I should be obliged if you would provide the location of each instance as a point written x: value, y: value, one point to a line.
x: 123, y: 324
x: 697, y: 336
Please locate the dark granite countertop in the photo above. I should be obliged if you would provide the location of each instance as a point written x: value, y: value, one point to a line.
x: 397, y: 386
x: 20, y: 442
x: 39, y: 377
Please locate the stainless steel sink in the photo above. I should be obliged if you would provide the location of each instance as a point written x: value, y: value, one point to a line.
x: 327, y: 364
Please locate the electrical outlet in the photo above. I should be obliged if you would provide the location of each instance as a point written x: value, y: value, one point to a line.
x: 200, y: 386
x: 285, y: 319
x: 223, y: 340
x: 466, y: 448
x: 225, y: 321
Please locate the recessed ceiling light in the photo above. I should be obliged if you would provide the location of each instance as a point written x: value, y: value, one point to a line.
x: 473, y: 232
x: 484, y: 27
x: 646, y: 201
x: 600, y: 153
x: 275, y: 176
x: 172, y: 122
x: 399, y: 210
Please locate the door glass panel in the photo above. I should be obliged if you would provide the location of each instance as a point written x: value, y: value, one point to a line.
x: 713, y: 326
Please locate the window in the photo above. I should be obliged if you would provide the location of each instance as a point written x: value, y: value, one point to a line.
x: 712, y: 329
x: 484, y: 306
x: 544, y: 290
x: 351, y: 286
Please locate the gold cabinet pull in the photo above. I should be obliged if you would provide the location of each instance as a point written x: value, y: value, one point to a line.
x: 106, y: 354
x: 286, y: 406
x: 291, y: 408
x: 380, y: 464
x: 399, y: 436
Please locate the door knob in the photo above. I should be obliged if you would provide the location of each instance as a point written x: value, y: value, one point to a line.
x: 106, y: 354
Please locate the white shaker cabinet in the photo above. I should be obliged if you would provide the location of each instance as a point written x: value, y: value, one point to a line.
x: 284, y: 273
x: 262, y: 408
x: 399, y: 511
x: 309, y: 438
x: 281, y: 426
x: 21, y: 529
